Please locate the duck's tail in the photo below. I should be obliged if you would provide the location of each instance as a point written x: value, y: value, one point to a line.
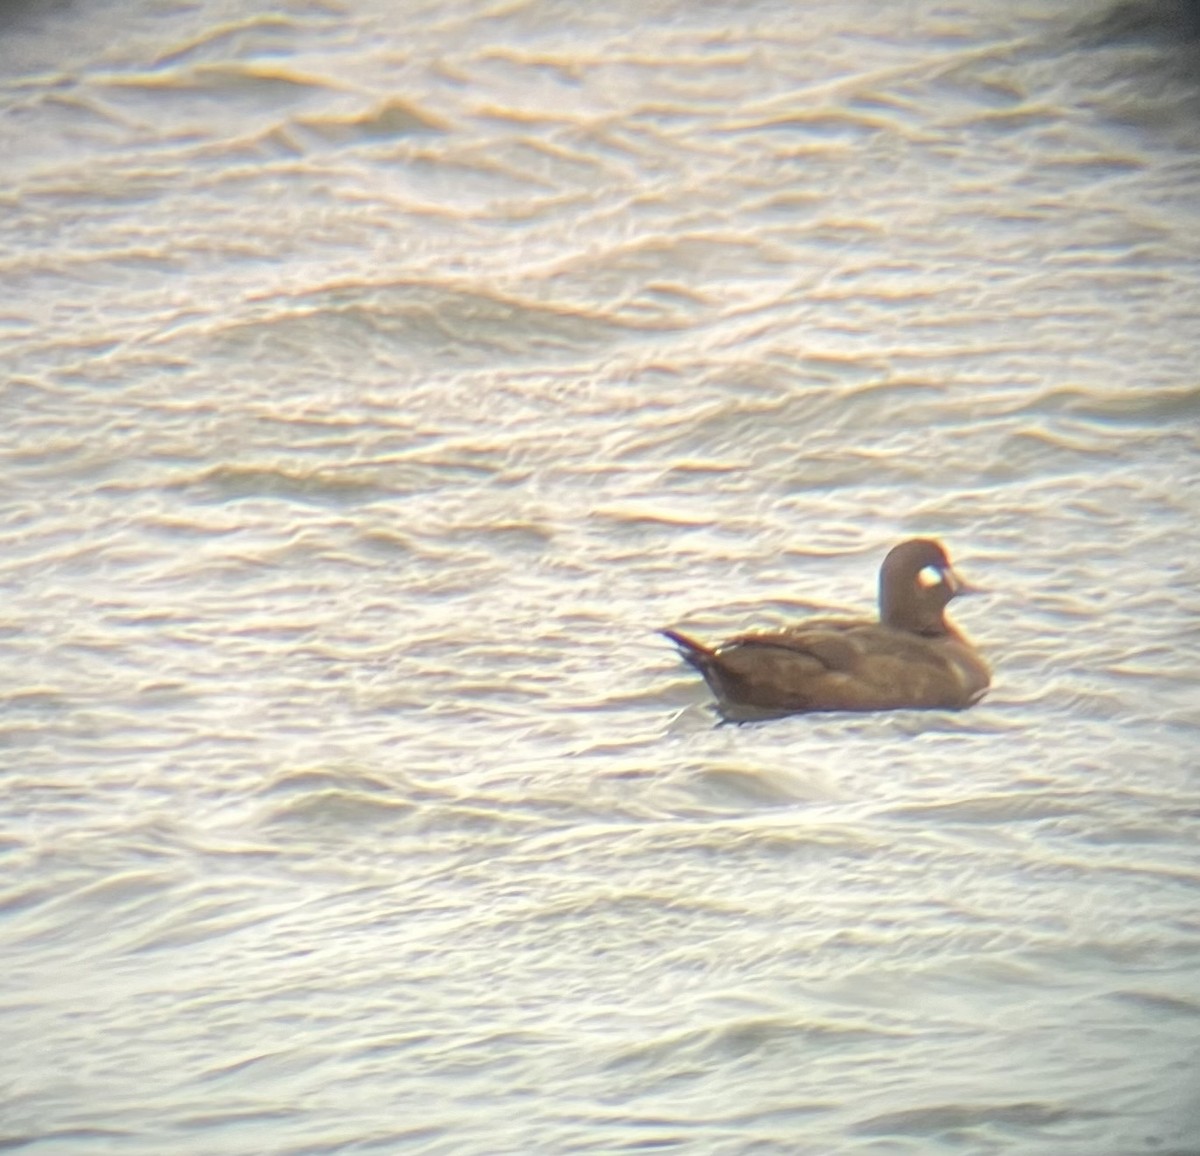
x: 699, y: 655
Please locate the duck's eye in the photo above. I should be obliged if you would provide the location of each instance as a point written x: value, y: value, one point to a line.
x: 930, y: 577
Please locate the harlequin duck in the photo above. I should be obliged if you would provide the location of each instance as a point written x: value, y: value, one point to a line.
x: 912, y: 658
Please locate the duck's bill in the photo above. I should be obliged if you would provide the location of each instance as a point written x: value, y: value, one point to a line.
x: 959, y: 585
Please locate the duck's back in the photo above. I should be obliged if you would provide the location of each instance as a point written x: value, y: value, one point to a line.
x: 842, y: 665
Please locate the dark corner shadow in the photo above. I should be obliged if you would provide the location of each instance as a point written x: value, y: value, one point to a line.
x: 14, y: 13
x: 1152, y: 47
x: 1168, y: 22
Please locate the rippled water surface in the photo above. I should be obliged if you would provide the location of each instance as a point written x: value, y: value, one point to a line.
x: 379, y: 377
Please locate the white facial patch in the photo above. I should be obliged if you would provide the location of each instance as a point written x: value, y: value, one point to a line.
x: 930, y: 577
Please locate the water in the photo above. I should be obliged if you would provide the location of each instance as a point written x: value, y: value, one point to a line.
x: 377, y: 383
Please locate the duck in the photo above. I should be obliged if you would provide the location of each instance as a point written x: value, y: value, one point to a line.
x: 913, y: 658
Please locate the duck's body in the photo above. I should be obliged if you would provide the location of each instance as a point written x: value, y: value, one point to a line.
x: 912, y: 658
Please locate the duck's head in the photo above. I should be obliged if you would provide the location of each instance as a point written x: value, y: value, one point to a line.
x: 916, y: 583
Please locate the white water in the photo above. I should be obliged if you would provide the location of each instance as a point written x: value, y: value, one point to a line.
x: 380, y: 378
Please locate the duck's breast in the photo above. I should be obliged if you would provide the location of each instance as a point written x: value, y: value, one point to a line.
x: 912, y: 670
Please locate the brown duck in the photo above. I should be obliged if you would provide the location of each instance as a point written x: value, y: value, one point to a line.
x: 912, y: 658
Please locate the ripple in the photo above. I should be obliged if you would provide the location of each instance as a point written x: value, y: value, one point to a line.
x: 949, y: 1119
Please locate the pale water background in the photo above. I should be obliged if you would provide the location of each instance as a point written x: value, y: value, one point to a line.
x: 377, y: 377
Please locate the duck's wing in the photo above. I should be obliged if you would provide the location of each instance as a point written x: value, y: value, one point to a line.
x: 766, y: 674
x: 824, y: 645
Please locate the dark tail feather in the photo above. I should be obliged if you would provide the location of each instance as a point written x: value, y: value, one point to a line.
x: 694, y: 652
